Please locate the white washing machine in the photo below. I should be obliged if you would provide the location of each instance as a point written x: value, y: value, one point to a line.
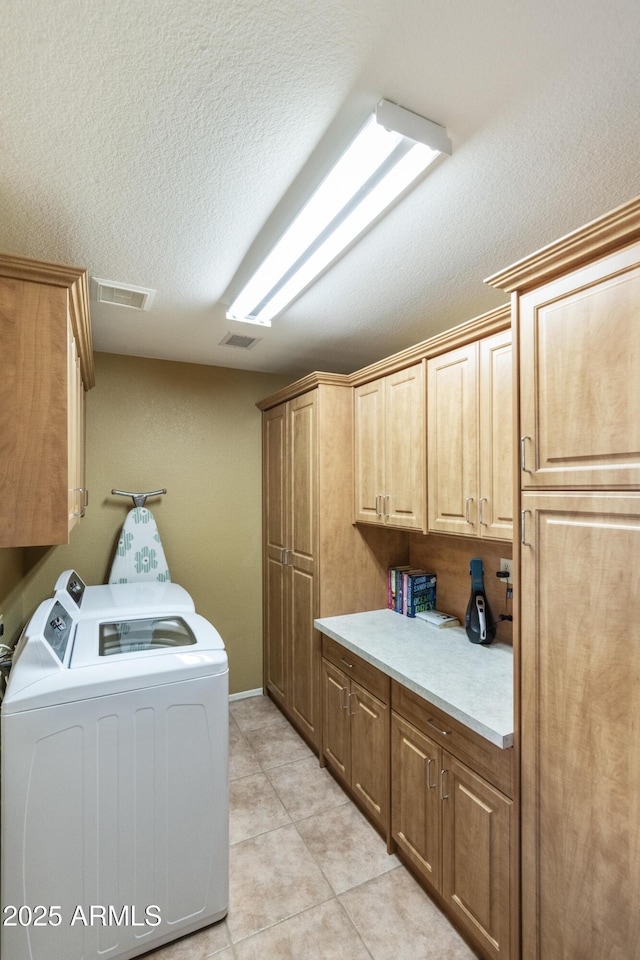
x: 115, y: 833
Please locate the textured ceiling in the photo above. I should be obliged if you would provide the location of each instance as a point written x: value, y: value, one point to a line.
x: 166, y: 143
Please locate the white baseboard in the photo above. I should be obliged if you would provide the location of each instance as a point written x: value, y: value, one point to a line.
x: 245, y: 694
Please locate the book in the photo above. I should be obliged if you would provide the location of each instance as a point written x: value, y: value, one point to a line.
x: 394, y: 574
x: 438, y: 619
x: 410, y: 578
x: 421, y: 593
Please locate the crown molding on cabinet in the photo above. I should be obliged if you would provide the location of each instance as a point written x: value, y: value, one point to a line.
x: 483, y: 326
x: 310, y: 382
x: 74, y: 279
x: 609, y: 232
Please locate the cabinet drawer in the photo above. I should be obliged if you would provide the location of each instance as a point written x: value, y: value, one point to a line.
x: 369, y: 677
x: 494, y: 764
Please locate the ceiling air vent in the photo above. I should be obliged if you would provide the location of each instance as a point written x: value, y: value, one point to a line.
x: 237, y: 340
x: 121, y: 294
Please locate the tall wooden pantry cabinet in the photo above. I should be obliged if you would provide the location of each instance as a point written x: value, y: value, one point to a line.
x: 576, y: 321
x: 316, y: 562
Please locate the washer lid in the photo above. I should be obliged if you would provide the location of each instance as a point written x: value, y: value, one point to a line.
x: 115, y: 640
x: 147, y: 635
x: 156, y: 657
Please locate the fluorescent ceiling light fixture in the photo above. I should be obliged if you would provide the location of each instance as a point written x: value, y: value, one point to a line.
x: 388, y: 154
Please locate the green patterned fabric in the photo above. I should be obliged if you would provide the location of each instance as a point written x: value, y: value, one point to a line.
x: 139, y: 554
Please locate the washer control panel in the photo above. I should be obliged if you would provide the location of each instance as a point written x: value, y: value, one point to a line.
x: 73, y: 585
x: 58, y: 629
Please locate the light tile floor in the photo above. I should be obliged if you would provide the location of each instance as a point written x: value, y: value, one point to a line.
x: 310, y: 879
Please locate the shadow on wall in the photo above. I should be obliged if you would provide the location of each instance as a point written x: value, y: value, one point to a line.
x: 448, y: 558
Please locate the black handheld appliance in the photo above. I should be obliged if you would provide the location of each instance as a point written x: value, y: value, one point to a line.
x: 478, y: 621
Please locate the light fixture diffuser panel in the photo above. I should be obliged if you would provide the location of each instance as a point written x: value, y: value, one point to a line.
x: 385, y: 157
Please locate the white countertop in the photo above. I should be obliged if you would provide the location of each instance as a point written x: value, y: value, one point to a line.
x: 470, y: 682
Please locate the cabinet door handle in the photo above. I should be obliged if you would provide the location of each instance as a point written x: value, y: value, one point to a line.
x: 481, y: 518
x: 386, y: 505
x: 352, y: 712
x: 445, y: 733
x: 466, y: 509
x: 79, y: 502
x: 522, y: 454
x: 343, y: 706
x: 443, y: 795
x: 378, y: 510
x: 523, y: 539
x: 430, y: 786
x: 346, y: 663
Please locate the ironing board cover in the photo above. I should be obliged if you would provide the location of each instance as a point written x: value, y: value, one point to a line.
x: 139, y: 555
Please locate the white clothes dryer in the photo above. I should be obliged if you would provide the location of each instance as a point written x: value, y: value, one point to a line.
x: 114, y: 775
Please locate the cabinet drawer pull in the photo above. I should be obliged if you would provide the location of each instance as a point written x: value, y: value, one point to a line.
x: 346, y: 663
x: 445, y: 733
x: 430, y: 786
x: 443, y: 795
x: 466, y: 509
x: 522, y: 454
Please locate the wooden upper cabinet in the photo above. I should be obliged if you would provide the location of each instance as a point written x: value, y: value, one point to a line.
x: 390, y: 456
x: 45, y: 341
x: 496, y: 437
x: 579, y: 376
x: 453, y: 441
x: 369, y: 406
x: 470, y: 440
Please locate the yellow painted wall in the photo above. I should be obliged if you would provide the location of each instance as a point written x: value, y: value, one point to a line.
x: 195, y: 430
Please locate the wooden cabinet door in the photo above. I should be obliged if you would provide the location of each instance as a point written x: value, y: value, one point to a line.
x: 336, y: 733
x: 580, y: 733
x: 34, y: 458
x: 579, y: 386
x: 275, y: 424
x: 369, y: 427
x: 370, y: 752
x: 304, y: 661
x: 496, y: 437
x: 405, y: 449
x: 476, y: 830
x: 415, y: 800
x: 452, y: 438
x: 302, y: 523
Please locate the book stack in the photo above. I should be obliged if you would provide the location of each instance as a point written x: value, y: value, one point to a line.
x: 411, y: 590
x: 394, y: 594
